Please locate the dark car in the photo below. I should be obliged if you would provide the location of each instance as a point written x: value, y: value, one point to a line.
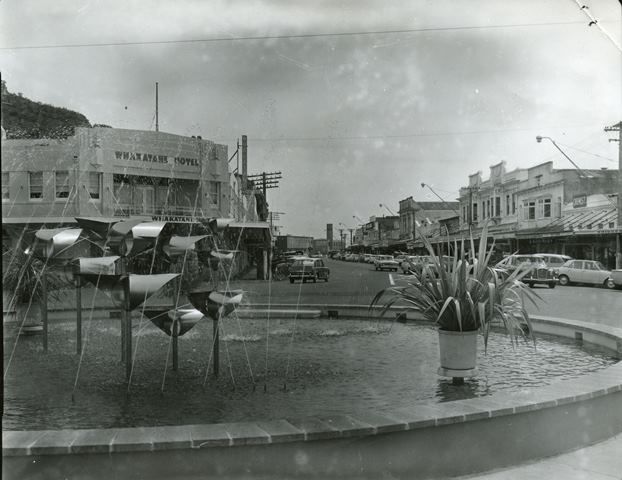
x: 538, y: 273
x: 308, y: 269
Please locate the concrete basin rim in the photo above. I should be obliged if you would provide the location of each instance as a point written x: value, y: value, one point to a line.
x: 604, y: 382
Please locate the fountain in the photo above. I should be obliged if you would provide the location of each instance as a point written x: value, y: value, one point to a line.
x: 397, y: 434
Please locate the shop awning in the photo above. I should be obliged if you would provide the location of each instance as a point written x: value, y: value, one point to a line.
x: 590, y: 222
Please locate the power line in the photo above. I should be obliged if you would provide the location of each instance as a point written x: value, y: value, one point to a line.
x: 284, y: 37
x: 586, y: 152
x: 407, y: 135
x: 594, y: 21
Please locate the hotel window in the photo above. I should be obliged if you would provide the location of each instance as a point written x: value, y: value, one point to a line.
x: 507, y: 204
x: 497, y: 206
x: 94, y: 186
x: 62, y: 184
x: 5, y: 186
x: 35, y: 185
x: 484, y: 209
x: 474, y: 212
x: 513, y: 203
x: 214, y: 192
x: 488, y: 208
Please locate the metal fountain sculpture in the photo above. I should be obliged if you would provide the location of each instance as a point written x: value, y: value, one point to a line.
x: 67, y: 250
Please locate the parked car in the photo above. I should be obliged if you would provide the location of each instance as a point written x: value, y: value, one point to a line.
x: 385, y: 262
x: 553, y: 260
x: 585, y: 271
x: 308, y: 269
x: 538, y: 273
x: 616, y: 276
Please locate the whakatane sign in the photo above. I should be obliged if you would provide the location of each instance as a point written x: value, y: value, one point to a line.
x: 152, y: 158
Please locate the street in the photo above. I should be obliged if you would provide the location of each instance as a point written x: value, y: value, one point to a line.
x: 355, y: 283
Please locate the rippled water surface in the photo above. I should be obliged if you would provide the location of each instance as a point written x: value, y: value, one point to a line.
x: 281, y: 370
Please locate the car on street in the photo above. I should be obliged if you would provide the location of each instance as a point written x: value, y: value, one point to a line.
x: 616, y: 276
x: 539, y: 272
x: 385, y: 262
x: 585, y: 271
x: 308, y: 269
x: 553, y: 260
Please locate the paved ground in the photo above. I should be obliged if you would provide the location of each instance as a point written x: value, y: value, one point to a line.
x: 602, y: 461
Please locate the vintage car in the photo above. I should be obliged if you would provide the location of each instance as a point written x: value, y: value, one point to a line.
x: 585, y: 271
x: 538, y: 273
x: 553, y: 260
x: 385, y: 262
x: 308, y: 269
x: 616, y: 276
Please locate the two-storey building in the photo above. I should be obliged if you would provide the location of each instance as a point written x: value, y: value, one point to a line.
x: 538, y: 210
x: 124, y: 174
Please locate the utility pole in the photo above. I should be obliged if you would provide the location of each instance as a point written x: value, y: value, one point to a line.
x: 617, y: 128
x: 157, y: 124
x: 265, y: 180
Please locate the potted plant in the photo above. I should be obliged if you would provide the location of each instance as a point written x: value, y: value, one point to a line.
x: 21, y: 286
x: 463, y: 298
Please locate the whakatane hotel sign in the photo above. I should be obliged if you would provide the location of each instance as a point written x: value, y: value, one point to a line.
x: 152, y: 158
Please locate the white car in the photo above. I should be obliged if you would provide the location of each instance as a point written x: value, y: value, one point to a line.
x: 385, y: 262
x: 585, y: 271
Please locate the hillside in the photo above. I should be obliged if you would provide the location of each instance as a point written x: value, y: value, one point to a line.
x: 25, y: 118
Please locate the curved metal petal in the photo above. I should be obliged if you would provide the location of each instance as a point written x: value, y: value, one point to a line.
x: 177, y: 245
x: 141, y: 288
x: 174, y: 322
x: 55, y: 242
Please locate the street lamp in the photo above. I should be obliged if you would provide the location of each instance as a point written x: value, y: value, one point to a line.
x: 350, y: 230
x: 423, y: 185
x: 381, y: 205
x: 539, y: 139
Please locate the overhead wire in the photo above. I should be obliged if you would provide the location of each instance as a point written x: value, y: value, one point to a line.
x: 292, y: 36
x: 594, y: 21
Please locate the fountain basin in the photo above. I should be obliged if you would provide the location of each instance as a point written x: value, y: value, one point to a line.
x: 429, y: 440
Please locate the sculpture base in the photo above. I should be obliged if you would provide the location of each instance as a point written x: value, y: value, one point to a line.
x: 447, y: 372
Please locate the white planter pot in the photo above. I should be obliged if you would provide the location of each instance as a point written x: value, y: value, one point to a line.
x: 458, y: 350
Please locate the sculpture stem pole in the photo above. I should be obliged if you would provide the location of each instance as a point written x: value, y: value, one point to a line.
x: 174, y: 329
x: 78, y: 314
x: 127, y: 330
x: 216, y: 348
x: 44, y: 309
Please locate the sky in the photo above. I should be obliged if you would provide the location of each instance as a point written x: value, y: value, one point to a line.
x: 356, y: 102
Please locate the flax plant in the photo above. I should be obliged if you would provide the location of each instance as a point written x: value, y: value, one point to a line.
x: 461, y: 295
